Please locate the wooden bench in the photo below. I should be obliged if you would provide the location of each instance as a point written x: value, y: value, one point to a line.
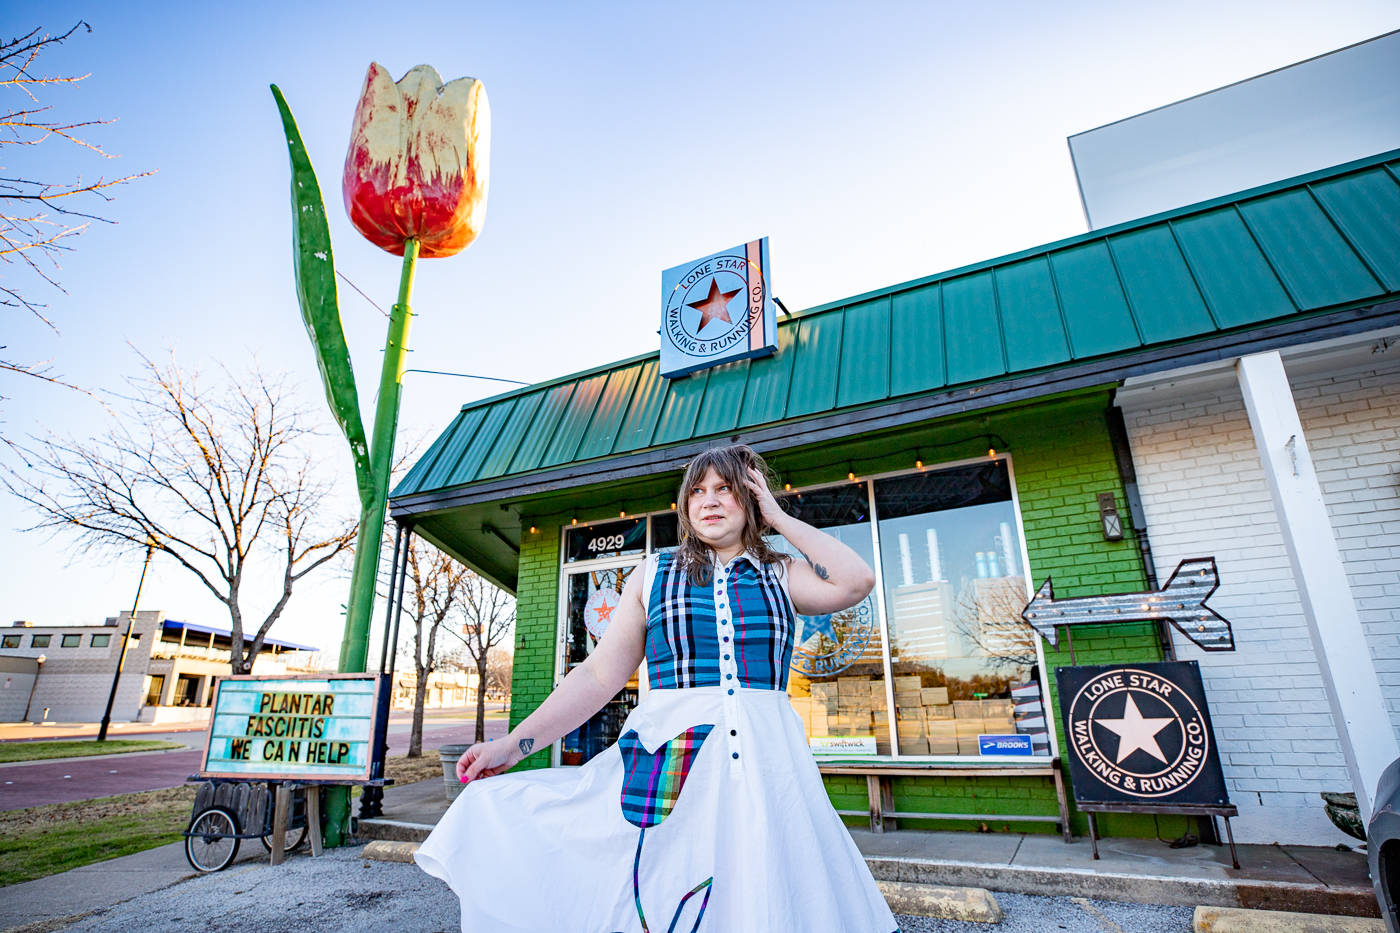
x: 883, y: 815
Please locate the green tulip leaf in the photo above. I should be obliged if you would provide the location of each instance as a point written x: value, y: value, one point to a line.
x: 320, y: 309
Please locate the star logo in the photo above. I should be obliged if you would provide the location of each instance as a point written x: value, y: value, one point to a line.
x: 1136, y: 732
x: 714, y: 306
x: 1140, y: 733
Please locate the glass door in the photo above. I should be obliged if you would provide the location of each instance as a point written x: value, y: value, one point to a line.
x: 591, y: 595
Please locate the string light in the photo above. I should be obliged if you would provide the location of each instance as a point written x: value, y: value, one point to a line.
x: 574, y: 522
x: 622, y: 514
x: 919, y: 464
x: 787, y: 487
x: 534, y: 530
x: 850, y: 476
x: 992, y: 452
x: 673, y: 505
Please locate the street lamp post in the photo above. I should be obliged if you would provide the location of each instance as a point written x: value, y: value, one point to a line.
x: 126, y: 640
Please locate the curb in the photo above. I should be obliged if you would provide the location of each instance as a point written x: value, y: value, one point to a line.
x: 382, y: 851
x: 1349, y: 901
x: 1273, y: 896
x: 1239, y: 920
x: 392, y: 830
x: 927, y: 900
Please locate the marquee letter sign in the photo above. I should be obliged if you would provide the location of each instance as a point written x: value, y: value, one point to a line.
x: 317, y: 728
x: 1182, y: 602
x: 717, y: 310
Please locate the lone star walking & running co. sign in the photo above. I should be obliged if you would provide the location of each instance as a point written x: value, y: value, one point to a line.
x: 717, y: 310
x: 1140, y: 734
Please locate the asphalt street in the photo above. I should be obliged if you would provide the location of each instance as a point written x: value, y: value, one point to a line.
x: 64, y: 780
x: 342, y: 892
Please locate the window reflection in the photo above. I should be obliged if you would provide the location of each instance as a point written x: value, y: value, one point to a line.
x: 954, y: 589
x: 837, y: 681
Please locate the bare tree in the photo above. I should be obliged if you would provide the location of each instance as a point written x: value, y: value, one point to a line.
x: 438, y: 588
x: 38, y: 217
x: 988, y: 615
x: 500, y: 666
x: 488, y: 619
x: 219, y: 478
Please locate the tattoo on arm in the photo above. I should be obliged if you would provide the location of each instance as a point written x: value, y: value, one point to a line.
x: 526, y: 745
x: 818, y: 568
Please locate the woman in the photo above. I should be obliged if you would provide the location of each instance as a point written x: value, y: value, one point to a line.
x: 753, y: 843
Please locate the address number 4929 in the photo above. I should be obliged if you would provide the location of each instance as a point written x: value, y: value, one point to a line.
x: 607, y: 543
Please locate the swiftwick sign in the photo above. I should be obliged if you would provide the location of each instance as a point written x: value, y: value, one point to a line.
x: 1140, y: 734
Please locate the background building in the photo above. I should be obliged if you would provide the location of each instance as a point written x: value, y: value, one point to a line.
x: 168, y: 676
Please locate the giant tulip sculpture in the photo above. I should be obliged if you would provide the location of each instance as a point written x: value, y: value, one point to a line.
x: 418, y: 164
x: 415, y: 185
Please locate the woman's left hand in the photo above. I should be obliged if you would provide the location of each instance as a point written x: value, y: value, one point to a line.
x: 767, y: 505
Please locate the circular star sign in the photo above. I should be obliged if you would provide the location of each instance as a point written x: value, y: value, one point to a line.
x: 597, y: 612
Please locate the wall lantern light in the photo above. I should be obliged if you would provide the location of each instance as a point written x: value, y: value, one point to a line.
x: 1108, y: 514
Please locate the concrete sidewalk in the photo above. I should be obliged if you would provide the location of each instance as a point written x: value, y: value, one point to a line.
x: 103, y: 884
x: 1132, y: 871
x: 1308, y: 879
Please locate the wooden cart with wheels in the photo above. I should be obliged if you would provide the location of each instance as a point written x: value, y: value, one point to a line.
x: 281, y: 816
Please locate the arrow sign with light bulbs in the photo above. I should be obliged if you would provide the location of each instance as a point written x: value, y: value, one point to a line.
x: 1182, y: 602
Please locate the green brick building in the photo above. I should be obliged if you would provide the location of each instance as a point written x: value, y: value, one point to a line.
x: 964, y: 429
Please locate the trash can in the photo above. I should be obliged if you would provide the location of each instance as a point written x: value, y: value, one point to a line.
x: 449, y: 755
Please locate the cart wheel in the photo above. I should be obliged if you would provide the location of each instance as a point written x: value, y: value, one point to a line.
x: 212, y: 842
x: 294, y: 840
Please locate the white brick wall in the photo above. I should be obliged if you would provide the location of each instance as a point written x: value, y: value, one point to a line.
x: 1204, y: 494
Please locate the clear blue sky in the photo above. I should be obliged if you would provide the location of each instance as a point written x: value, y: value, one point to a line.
x: 874, y: 143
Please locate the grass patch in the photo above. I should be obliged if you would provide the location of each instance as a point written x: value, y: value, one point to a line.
x: 412, y: 770
x: 46, y: 840
x: 73, y: 748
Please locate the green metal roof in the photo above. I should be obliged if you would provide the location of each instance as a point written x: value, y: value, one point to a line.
x: 1321, y: 241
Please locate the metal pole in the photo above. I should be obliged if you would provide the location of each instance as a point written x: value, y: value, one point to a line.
x: 126, y: 641
x: 389, y: 610
x: 398, y: 613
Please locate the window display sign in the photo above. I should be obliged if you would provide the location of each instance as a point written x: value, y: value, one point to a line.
x: 717, y: 310
x: 1140, y: 734
x: 321, y: 728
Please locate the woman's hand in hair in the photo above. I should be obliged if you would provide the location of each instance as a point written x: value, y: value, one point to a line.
x: 768, y: 507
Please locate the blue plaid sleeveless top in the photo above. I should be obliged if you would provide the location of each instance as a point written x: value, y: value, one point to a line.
x: 736, y: 632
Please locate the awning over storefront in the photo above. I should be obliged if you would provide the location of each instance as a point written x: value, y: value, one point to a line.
x: 1288, y: 263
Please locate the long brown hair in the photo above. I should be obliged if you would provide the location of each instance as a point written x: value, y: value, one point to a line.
x: 732, y: 464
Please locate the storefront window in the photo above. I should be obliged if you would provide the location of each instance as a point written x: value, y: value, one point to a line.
x: 960, y: 675
x: 954, y: 587
x: 837, y: 682
x: 11, y: 641
x: 592, y: 596
x: 606, y: 539
x: 665, y: 533
x: 39, y: 641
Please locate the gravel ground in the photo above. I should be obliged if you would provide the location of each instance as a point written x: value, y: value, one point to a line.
x: 341, y: 892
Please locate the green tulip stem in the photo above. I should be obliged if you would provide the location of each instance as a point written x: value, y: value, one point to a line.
x: 354, y: 648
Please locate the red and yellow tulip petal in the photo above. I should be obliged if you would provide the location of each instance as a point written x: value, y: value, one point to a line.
x: 419, y: 161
